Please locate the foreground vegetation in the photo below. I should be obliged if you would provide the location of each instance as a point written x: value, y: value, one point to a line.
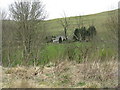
x: 65, y: 74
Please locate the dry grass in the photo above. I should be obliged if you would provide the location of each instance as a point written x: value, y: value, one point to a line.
x: 65, y: 74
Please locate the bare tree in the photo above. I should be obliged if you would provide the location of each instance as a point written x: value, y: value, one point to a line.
x: 28, y: 16
x: 3, y: 14
x: 65, y: 24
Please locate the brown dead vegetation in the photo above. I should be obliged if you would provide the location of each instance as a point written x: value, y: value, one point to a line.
x: 65, y: 74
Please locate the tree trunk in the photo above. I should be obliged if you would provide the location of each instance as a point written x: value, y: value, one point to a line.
x: 65, y: 33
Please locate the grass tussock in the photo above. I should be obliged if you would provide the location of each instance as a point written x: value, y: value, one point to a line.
x: 65, y: 74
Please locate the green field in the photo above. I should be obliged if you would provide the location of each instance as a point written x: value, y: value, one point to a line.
x: 71, y: 51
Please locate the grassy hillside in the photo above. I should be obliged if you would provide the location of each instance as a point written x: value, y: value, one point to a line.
x: 98, y: 20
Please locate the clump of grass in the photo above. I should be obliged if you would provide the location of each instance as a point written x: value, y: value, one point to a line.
x: 65, y: 79
x: 9, y: 71
x: 92, y: 84
x: 81, y: 84
x: 101, y: 72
